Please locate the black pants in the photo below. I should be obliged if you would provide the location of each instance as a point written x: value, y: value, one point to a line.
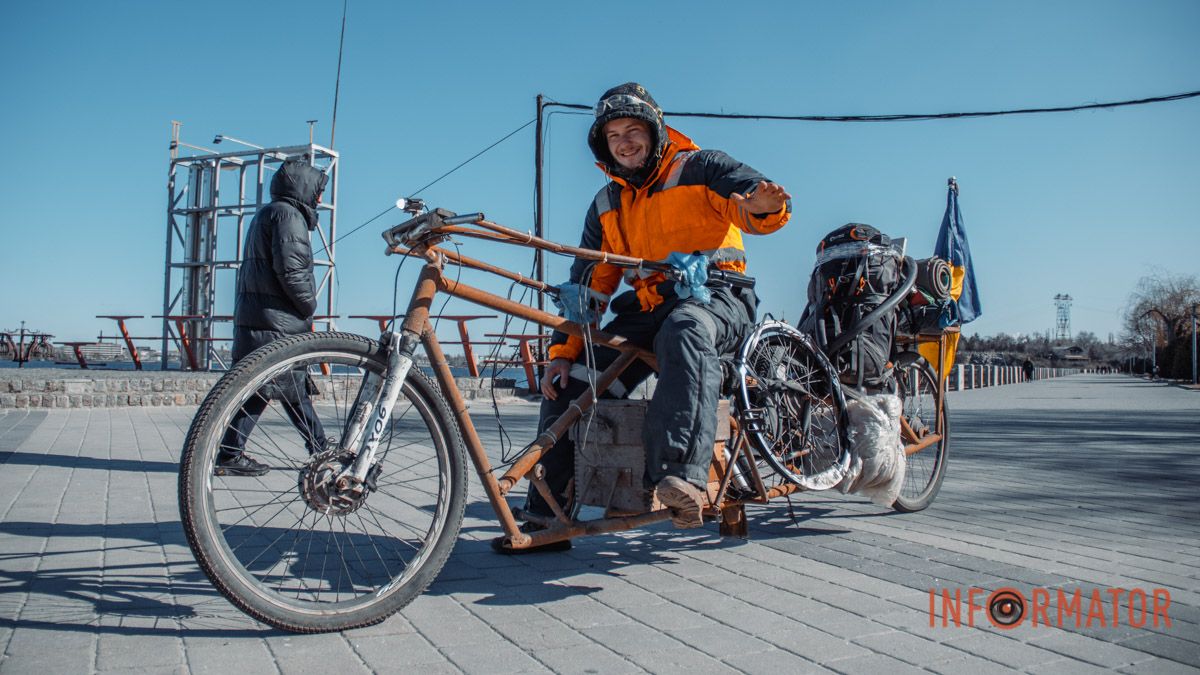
x: 688, y: 338
x: 291, y: 392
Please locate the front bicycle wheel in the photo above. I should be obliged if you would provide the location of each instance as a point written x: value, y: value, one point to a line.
x: 790, y: 405
x: 291, y: 548
x: 925, y: 469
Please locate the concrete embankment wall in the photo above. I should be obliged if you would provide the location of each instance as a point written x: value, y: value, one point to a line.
x: 58, y: 388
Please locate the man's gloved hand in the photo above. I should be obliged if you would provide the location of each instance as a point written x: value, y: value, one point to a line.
x: 695, y: 273
x: 578, y: 303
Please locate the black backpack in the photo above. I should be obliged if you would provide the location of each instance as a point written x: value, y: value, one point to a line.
x: 856, y: 270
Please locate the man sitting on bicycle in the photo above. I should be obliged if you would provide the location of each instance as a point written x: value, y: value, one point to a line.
x: 665, y: 195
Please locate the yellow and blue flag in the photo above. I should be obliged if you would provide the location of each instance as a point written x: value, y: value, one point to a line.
x: 953, y: 248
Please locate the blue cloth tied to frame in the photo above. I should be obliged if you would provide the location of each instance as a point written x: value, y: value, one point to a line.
x: 695, y: 273
x: 575, y: 302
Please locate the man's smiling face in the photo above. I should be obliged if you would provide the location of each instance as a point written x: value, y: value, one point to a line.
x: 628, y: 142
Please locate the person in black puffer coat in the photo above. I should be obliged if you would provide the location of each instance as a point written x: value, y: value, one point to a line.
x: 276, y: 297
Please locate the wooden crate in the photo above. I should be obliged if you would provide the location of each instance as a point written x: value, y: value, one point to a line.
x: 610, y: 462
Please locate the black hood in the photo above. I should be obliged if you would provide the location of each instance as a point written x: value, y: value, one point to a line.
x: 299, y: 183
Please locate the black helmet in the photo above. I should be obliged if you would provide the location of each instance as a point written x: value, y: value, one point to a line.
x: 627, y: 100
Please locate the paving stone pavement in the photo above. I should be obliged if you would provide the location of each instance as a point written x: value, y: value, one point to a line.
x: 1085, y: 482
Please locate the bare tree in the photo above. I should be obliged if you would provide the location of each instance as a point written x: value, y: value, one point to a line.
x: 1162, y: 301
x: 1159, y: 317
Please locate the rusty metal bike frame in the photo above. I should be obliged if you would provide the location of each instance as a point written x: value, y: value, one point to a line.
x: 416, y: 328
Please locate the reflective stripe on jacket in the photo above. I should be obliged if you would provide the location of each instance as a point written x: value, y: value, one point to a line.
x: 684, y: 206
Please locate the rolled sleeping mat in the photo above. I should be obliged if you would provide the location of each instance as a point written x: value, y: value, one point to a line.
x: 933, y: 277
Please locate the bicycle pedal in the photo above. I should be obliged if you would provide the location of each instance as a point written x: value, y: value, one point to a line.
x: 753, y: 419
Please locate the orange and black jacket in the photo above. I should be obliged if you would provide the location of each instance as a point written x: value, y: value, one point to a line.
x: 683, y: 206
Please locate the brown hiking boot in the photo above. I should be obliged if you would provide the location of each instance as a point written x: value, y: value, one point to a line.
x: 684, y: 499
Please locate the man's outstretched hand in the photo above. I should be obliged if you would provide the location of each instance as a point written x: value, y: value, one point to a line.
x: 766, y: 197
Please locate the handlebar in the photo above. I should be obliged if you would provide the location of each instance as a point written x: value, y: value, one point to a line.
x: 730, y: 277
x: 715, y: 274
x: 412, y: 230
x: 423, y: 229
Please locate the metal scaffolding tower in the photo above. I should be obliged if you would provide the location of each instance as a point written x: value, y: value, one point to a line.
x: 1062, y: 327
x: 211, y: 198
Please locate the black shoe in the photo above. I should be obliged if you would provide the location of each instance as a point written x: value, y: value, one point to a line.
x: 529, y: 528
x: 242, y: 465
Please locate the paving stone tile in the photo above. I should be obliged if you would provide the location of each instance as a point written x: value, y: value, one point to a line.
x: 870, y: 664
x: 1088, y: 649
x: 587, y: 615
x: 492, y: 657
x: 719, y: 642
x: 1068, y: 667
x: 1003, y: 650
x: 680, y: 661
x: 971, y: 664
x: 1159, y: 666
x: 908, y: 648
x: 538, y: 634
x: 774, y: 662
x: 297, y: 653
x: 841, y: 623
x: 585, y: 660
x: 220, y: 655
x: 631, y: 638
x: 667, y: 615
x: 117, y: 650
x: 1166, y: 646
x: 46, y: 650
x: 812, y: 644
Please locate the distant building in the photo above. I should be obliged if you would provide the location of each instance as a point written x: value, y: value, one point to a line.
x: 1071, y: 353
x: 103, y: 351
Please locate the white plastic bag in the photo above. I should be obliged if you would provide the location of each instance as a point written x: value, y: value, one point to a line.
x: 876, y: 451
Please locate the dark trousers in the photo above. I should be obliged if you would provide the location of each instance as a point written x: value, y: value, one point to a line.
x: 688, y: 338
x: 291, y: 392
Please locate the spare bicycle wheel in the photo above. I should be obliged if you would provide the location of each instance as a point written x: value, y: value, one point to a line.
x: 790, y: 405
x: 924, y: 471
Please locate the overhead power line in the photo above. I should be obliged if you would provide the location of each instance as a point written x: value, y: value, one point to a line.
x: 803, y: 118
x: 337, y: 85
x: 439, y: 178
x: 917, y: 117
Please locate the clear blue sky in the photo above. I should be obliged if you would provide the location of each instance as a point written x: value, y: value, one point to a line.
x: 1080, y: 203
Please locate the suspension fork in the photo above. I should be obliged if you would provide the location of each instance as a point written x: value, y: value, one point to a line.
x: 374, y: 409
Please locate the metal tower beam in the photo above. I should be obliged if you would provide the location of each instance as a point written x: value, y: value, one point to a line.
x: 206, y: 227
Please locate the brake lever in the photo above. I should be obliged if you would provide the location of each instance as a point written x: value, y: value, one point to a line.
x: 411, y: 231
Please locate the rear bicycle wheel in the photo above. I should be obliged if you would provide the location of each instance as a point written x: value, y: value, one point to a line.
x: 790, y: 406
x: 289, y: 547
x: 924, y: 470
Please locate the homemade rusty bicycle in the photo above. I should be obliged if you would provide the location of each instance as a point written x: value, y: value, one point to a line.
x: 346, y: 530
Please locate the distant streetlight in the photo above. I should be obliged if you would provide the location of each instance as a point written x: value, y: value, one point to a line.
x: 1153, y: 343
x: 1194, y: 308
